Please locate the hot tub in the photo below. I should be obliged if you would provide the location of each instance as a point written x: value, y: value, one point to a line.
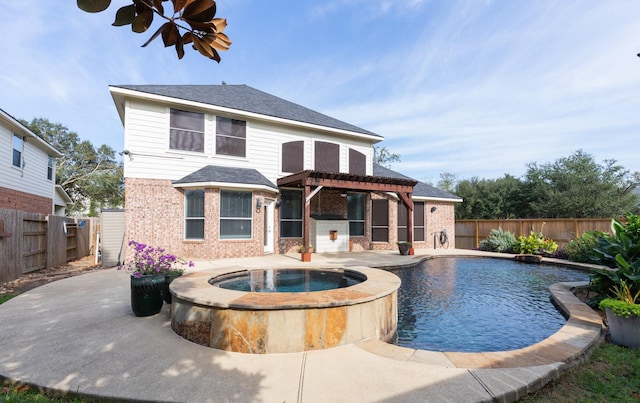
x: 280, y: 322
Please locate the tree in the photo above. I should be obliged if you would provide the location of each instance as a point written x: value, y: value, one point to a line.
x: 91, y: 177
x: 447, y: 182
x: 578, y: 187
x: 384, y: 157
x: 490, y: 198
x: 204, y: 31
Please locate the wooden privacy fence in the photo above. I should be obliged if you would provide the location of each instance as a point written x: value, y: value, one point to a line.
x: 30, y: 242
x: 469, y: 233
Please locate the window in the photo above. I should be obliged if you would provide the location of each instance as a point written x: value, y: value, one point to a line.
x: 18, y: 148
x: 235, y: 214
x: 293, y: 156
x: 186, y: 131
x: 355, y: 213
x: 418, y: 222
x: 194, y: 214
x: 380, y: 220
x: 291, y: 214
x: 50, y: 162
x: 357, y: 163
x: 231, y: 137
x: 327, y: 157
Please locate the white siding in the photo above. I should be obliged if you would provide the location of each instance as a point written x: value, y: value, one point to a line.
x: 32, y: 178
x: 147, y: 140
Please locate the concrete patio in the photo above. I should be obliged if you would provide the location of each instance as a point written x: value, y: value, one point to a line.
x: 79, y: 335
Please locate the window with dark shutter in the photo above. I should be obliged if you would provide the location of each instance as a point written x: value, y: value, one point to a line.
x: 380, y: 220
x: 231, y: 137
x: 186, y: 131
x: 327, y: 157
x: 357, y: 162
x: 293, y: 156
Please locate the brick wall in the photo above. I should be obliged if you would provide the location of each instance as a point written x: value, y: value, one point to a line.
x: 154, y: 214
x: 16, y: 200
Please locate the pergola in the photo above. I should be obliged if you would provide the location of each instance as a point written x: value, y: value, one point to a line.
x: 313, y: 181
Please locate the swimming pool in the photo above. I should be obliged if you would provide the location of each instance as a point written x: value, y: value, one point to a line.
x: 478, y: 304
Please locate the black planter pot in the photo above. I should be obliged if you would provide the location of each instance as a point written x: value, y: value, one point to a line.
x: 146, y: 294
x: 403, y: 248
x: 166, y: 293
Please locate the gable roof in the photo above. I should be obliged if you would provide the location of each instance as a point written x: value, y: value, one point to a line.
x: 211, y: 175
x: 247, y: 99
x: 420, y: 190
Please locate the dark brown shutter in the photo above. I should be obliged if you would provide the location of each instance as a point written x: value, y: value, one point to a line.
x: 380, y: 220
x: 293, y: 156
x: 327, y: 157
x: 357, y: 162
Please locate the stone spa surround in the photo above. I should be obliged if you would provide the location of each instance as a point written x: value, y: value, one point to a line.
x: 281, y: 322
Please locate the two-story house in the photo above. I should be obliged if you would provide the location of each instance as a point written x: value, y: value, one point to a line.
x: 28, y: 170
x: 215, y: 171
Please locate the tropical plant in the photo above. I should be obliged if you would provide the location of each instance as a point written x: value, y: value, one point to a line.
x: 498, y: 241
x: 581, y: 248
x: 535, y: 244
x: 151, y: 260
x: 204, y: 31
x: 621, y: 252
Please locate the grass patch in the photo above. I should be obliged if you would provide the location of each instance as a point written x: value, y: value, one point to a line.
x: 6, y: 297
x: 612, y: 374
x: 24, y: 394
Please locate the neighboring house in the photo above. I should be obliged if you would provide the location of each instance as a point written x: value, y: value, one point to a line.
x: 214, y: 171
x: 27, y: 170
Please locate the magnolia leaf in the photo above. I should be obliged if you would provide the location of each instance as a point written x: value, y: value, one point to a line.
x: 205, y: 27
x: 158, y: 5
x: 219, y: 23
x: 125, y: 15
x: 199, y: 11
x: 187, y: 37
x: 180, y: 47
x: 203, y: 47
x: 179, y: 4
x: 142, y: 21
x: 155, y: 34
x: 170, y: 34
x: 93, y: 6
x: 218, y: 41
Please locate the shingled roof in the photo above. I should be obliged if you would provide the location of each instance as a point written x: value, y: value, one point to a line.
x: 247, y: 99
x: 421, y: 189
x: 219, y: 174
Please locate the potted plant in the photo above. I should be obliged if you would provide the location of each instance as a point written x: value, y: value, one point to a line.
x: 530, y: 248
x: 404, y: 247
x: 305, y: 253
x: 623, y: 316
x: 148, y: 267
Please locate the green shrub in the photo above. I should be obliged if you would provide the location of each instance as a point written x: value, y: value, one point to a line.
x: 498, y: 241
x: 581, y: 249
x: 535, y: 244
x: 621, y: 252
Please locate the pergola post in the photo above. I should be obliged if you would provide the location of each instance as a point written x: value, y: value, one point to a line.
x: 306, y: 224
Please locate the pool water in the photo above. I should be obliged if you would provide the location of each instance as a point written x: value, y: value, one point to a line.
x: 478, y: 304
x: 288, y: 280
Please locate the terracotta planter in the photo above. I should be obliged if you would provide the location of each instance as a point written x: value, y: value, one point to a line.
x: 624, y: 331
x: 305, y: 256
x: 146, y: 294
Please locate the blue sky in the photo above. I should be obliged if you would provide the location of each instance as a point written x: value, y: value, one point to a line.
x: 474, y: 88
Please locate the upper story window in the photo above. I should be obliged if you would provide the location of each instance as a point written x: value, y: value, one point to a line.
x: 357, y: 162
x: 18, y: 148
x: 293, y: 156
x: 186, y: 131
x: 327, y: 157
x: 50, y: 165
x: 231, y: 137
x: 194, y: 214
